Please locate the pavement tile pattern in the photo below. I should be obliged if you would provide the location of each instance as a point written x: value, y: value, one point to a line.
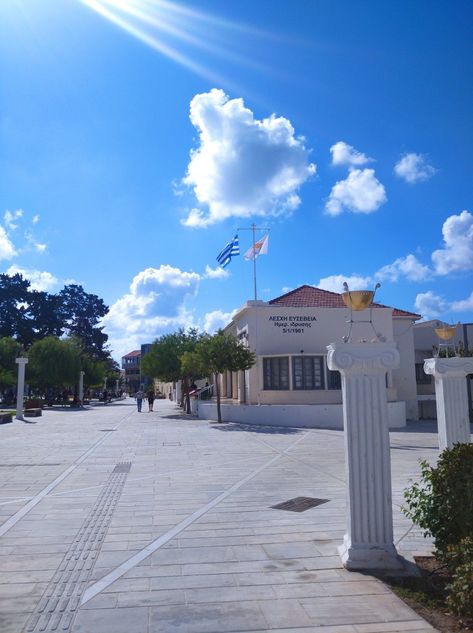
x: 188, y: 540
x: 62, y: 597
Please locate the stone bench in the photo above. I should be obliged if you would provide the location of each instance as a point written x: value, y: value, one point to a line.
x: 33, y: 413
x: 5, y: 418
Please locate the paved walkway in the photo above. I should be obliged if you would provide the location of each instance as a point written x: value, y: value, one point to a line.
x: 113, y: 521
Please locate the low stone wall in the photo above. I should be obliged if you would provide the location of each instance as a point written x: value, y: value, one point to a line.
x: 33, y: 413
x: 326, y: 416
x: 5, y: 418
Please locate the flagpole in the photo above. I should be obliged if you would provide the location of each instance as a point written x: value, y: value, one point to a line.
x: 253, y: 228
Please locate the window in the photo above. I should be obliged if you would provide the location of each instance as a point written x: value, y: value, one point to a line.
x: 276, y: 373
x: 421, y: 377
x: 308, y: 372
x: 334, y: 379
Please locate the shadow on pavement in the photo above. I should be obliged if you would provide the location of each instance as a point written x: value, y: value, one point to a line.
x: 253, y: 428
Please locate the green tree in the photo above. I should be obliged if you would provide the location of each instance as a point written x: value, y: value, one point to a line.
x: 112, y: 371
x: 13, y: 302
x: 53, y: 363
x: 44, y: 316
x: 222, y: 352
x: 82, y: 314
x: 93, y: 369
x: 164, y: 360
x: 9, y: 352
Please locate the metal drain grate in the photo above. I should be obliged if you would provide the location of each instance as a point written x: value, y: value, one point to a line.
x: 122, y: 467
x: 300, y: 504
x: 107, y: 430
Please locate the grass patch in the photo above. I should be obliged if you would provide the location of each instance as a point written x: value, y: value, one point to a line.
x: 427, y: 594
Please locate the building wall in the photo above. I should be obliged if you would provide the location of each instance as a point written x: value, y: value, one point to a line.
x: 329, y: 416
x: 405, y: 377
x: 280, y: 331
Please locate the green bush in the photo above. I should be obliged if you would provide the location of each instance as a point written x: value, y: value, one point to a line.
x: 442, y: 503
x: 460, y: 590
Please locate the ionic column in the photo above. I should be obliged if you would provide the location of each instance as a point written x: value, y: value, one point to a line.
x: 368, y: 543
x: 20, y: 387
x: 451, y: 393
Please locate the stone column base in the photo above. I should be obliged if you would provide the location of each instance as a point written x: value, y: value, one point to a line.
x: 359, y: 557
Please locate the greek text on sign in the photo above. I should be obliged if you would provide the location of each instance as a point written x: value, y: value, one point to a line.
x: 292, y: 324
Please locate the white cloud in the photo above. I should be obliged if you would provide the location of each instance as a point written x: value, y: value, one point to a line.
x: 457, y: 254
x: 162, y: 290
x: 39, y: 280
x: 35, y: 219
x: 334, y: 283
x: 155, y: 305
x: 414, y: 168
x: 344, y: 154
x: 243, y: 166
x: 217, y: 319
x: 465, y: 305
x: 408, y: 267
x: 196, y: 219
x: 7, y: 249
x: 38, y: 246
x: 215, y: 273
x: 10, y: 218
x: 430, y: 305
x: 360, y: 192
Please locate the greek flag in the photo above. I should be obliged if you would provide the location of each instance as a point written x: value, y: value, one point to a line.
x: 230, y: 250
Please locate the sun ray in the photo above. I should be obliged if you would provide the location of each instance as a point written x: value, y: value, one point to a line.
x: 153, y: 42
x: 154, y: 19
x: 156, y: 22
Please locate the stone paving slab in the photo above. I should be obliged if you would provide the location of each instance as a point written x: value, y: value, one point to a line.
x: 191, y: 543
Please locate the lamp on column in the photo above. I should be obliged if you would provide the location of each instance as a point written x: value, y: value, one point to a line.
x: 446, y: 332
x: 357, y: 301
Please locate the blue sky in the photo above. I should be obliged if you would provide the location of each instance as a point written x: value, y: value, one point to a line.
x: 136, y: 136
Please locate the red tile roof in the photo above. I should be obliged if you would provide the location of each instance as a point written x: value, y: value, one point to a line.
x: 311, y: 297
x: 136, y: 352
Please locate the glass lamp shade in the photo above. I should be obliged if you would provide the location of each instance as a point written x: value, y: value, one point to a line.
x: 358, y: 299
x: 446, y: 332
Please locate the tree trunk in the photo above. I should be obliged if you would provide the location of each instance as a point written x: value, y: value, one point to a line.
x: 217, y: 391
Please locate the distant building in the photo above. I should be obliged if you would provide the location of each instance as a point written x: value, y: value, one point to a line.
x: 131, y: 367
x: 145, y: 380
x: 289, y: 335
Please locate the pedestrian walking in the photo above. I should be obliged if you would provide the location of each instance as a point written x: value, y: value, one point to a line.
x: 139, y: 395
x: 150, y: 397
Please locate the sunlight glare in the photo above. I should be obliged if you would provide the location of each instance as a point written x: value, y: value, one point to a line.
x: 152, y: 21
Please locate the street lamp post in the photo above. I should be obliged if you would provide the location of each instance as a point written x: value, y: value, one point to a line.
x: 81, y: 388
x: 20, y: 390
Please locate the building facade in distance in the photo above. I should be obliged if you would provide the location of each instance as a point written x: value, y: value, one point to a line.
x: 290, y: 335
x: 131, y: 367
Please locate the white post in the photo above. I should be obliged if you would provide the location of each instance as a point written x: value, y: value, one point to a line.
x: 368, y: 543
x: 20, y: 389
x: 451, y: 393
x: 81, y: 388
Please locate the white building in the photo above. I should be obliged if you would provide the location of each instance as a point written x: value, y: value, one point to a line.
x: 290, y: 335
